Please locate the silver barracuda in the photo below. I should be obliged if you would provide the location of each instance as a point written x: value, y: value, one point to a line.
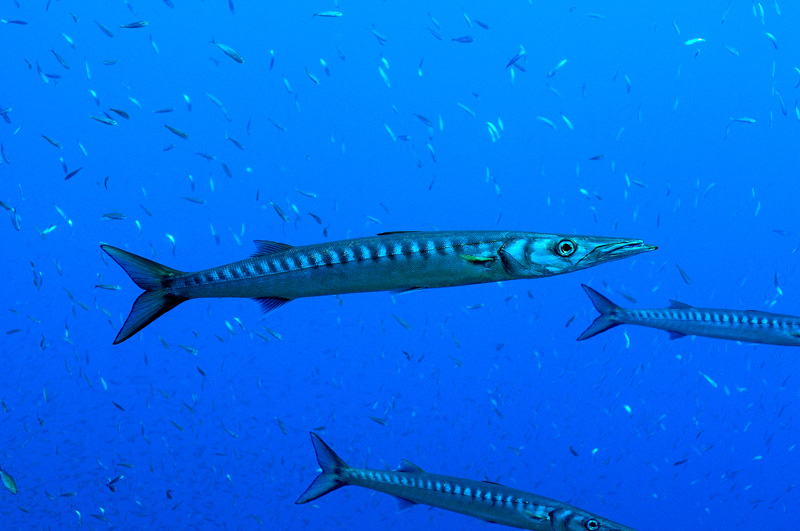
x: 479, y: 499
x: 680, y: 320
x: 399, y: 261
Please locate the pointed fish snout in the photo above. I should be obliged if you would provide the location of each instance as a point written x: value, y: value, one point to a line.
x: 627, y: 248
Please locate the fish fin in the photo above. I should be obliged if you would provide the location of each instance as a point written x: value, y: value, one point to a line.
x: 675, y: 335
x: 408, y: 466
x: 148, y: 307
x: 475, y: 259
x: 492, y: 483
x: 151, y: 277
x: 264, y: 247
x: 405, y: 290
x: 397, y: 232
x: 331, y: 478
x: 678, y: 305
x: 607, y: 318
x: 270, y: 304
x: 403, y: 504
x: 147, y: 274
x: 601, y: 303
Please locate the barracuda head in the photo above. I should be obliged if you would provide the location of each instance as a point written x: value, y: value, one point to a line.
x: 533, y: 255
x: 571, y: 518
x: 590, y: 522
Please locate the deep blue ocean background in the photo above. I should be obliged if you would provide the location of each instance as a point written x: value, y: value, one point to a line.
x: 211, y: 412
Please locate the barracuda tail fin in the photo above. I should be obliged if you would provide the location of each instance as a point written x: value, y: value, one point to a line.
x: 331, y: 477
x: 608, y: 314
x: 156, y: 299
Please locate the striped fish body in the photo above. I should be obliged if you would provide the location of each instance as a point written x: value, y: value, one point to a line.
x: 488, y: 501
x: 479, y: 499
x: 403, y: 261
x: 681, y: 319
x: 750, y: 326
x: 400, y: 261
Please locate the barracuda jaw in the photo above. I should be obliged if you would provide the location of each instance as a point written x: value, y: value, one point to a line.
x: 624, y: 250
x: 614, y: 251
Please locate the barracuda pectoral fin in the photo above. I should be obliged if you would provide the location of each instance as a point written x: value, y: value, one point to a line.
x: 270, y: 304
x: 675, y: 335
x: 535, y: 516
x: 479, y: 259
x: 264, y: 247
x: 678, y: 305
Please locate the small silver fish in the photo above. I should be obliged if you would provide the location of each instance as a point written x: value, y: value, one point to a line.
x: 8, y: 481
x: 230, y: 52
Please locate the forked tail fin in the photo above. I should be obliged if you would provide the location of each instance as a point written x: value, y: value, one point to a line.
x: 156, y: 299
x: 608, y: 314
x: 331, y: 477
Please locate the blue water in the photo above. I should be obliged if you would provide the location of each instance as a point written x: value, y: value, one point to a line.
x: 501, y: 392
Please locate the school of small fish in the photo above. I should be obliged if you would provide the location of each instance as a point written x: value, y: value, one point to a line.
x: 175, y: 133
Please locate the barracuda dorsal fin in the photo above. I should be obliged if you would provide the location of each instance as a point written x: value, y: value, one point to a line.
x: 492, y: 482
x: 264, y: 247
x: 397, y: 232
x: 408, y: 466
x: 678, y: 305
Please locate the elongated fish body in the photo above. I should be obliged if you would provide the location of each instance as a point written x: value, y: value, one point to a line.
x: 488, y: 501
x: 278, y: 273
x: 682, y: 320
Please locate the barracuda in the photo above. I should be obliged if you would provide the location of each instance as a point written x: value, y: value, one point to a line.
x: 488, y: 501
x: 682, y: 320
x: 399, y: 261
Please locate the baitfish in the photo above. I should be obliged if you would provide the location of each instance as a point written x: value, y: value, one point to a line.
x: 680, y: 320
x: 486, y: 500
x: 134, y: 25
x: 227, y: 50
x: 396, y: 261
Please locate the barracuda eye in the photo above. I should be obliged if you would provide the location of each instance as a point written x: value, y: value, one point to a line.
x: 592, y: 525
x: 566, y: 247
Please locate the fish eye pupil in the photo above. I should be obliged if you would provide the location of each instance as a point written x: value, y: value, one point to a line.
x: 592, y: 525
x: 566, y: 247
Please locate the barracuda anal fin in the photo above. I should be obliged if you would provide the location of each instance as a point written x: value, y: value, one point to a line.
x: 270, y: 304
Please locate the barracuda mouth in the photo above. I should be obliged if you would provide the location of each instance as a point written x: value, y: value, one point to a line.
x: 622, y: 250
x: 614, y: 251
